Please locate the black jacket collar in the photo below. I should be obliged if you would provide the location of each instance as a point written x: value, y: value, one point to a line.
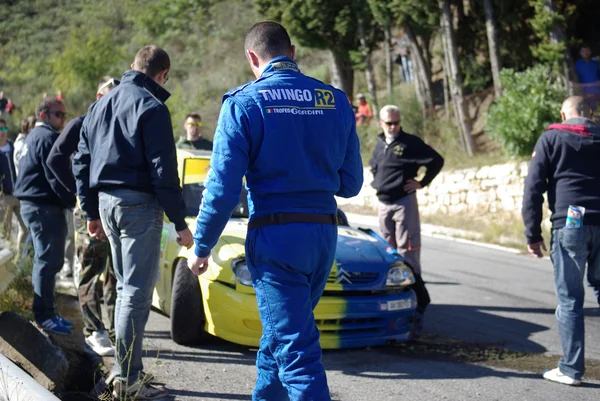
x: 143, y: 80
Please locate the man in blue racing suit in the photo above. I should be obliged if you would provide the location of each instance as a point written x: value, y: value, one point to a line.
x: 294, y: 138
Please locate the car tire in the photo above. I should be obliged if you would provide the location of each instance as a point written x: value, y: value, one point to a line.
x: 187, y: 310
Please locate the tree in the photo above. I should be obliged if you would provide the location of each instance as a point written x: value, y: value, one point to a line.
x: 455, y: 80
x: 382, y: 15
x: 490, y: 24
x: 418, y: 19
x: 552, y: 48
x: 329, y: 25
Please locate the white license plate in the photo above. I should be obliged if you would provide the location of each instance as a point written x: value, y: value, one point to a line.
x: 399, y: 304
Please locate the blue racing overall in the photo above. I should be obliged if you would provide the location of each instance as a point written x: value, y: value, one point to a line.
x: 295, y: 141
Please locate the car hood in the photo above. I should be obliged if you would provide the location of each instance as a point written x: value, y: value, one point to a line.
x: 359, y: 252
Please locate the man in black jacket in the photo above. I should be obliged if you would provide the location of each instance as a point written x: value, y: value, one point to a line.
x: 566, y: 164
x: 43, y: 201
x: 396, y: 160
x: 93, y: 253
x: 126, y: 173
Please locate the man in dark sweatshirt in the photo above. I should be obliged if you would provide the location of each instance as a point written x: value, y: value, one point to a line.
x: 126, y: 174
x: 566, y: 164
x: 396, y: 160
x: 43, y: 201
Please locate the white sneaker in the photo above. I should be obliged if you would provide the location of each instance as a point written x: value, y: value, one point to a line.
x: 100, y: 343
x: 557, y: 376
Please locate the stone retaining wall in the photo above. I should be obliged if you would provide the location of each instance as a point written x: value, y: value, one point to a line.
x: 481, y: 190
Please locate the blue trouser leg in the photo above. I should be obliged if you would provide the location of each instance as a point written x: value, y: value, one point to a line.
x: 594, y: 262
x: 569, y: 255
x: 289, y: 266
x: 133, y: 223
x: 48, y: 230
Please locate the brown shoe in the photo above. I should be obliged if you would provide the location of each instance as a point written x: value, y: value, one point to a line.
x: 138, y: 391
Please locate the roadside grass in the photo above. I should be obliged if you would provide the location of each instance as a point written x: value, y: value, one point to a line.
x: 18, y: 297
x: 500, y: 227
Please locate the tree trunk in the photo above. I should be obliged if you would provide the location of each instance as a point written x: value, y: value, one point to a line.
x: 445, y: 85
x: 368, y: 66
x: 420, y: 66
x: 342, y: 74
x: 490, y: 25
x: 455, y: 76
x: 389, y: 62
x: 453, y: 99
x: 568, y: 66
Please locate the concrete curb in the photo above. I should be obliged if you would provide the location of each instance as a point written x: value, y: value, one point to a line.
x: 18, y: 385
x: 7, y: 273
x: 434, y: 231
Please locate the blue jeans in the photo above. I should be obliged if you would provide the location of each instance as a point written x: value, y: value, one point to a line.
x: 48, y: 230
x: 289, y: 265
x: 571, y: 249
x: 133, y: 223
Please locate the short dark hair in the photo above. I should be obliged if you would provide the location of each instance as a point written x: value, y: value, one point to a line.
x: 195, y: 116
x: 45, y: 105
x: 268, y: 39
x: 3, y: 121
x: 151, y: 60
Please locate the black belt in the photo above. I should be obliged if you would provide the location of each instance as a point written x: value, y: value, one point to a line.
x: 284, y: 218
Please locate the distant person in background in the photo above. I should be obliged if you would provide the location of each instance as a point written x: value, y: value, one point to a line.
x: 588, y: 72
x: 93, y: 253
x: 43, y: 201
x: 59, y: 96
x: 193, y: 137
x: 27, y: 125
x: 3, y: 102
x: 10, y: 106
x: 565, y: 164
x: 364, y: 114
x: 9, y: 205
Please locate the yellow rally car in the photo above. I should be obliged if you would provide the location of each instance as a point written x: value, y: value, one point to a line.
x: 366, y: 301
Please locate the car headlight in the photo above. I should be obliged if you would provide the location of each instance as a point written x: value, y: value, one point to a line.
x: 242, y: 274
x: 400, y: 275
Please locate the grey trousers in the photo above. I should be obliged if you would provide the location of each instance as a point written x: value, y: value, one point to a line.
x: 401, y: 227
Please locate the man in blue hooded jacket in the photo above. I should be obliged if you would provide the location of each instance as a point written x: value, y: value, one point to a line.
x: 294, y: 138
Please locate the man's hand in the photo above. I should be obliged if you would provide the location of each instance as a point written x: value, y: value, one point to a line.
x: 184, y: 238
x: 95, y: 229
x: 536, y: 249
x: 198, y: 265
x: 412, y: 185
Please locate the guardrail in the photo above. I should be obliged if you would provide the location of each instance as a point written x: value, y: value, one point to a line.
x: 15, y: 384
x: 7, y: 270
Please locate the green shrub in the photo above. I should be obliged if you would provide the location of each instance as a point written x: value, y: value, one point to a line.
x: 530, y: 101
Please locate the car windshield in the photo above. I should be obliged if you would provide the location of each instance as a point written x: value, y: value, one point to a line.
x: 192, y: 195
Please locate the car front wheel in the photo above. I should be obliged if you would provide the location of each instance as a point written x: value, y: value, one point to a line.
x: 187, y: 311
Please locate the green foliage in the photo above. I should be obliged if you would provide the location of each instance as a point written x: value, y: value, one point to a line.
x: 530, y: 101
x: 544, y: 22
x: 86, y: 57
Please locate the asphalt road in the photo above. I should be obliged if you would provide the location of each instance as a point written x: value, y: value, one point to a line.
x: 480, y: 296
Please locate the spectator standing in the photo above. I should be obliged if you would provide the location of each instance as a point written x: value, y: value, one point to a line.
x: 364, y: 114
x: 292, y: 233
x: 126, y: 169
x: 588, y: 72
x: 27, y: 125
x: 94, y: 253
x: 565, y: 164
x: 9, y: 205
x: 396, y: 160
x: 3, y: 103
x: 10, y: 107
x: 193, y: 137
x: 43, y: 201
